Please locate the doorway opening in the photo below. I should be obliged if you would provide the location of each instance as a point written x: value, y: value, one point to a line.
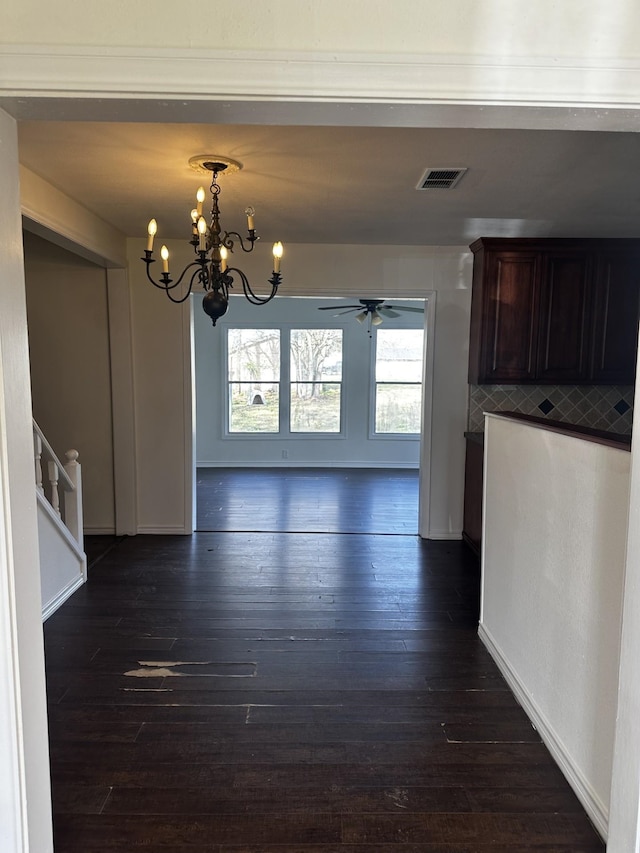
x: 358, y: 419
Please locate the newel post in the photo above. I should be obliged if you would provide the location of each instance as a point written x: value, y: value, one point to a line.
x: 73, y: 499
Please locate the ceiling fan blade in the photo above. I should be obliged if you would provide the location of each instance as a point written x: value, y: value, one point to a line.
x: 406, y: 308
x: 387, y: 312
x: 333, y: 307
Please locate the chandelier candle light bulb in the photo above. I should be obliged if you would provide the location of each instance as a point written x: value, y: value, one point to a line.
x: 199, y: 200
x: 164, y: 254
x: 212, y: 245
x: 202, y: 234
x: 152, y: 229
x: 278, y: 251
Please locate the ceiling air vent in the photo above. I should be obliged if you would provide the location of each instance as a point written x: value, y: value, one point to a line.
x: 440, y: 179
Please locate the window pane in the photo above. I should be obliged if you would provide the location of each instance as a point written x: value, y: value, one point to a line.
x: 252, y: 408
x: 254, y: 374
x: 315, y: 407
x: 399, y: 355
x: 254, y: 355
x: 398, y: 408
x: 316, y: 354
x: 316, y: 371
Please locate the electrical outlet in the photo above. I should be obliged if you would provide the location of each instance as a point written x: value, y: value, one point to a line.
x: 285, y: 454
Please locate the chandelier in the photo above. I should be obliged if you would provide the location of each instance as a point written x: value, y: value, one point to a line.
x: 212, y: 246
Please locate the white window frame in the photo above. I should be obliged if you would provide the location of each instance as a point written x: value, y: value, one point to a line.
x: 284, y: 411
x: 226, y: 408
x: 373, y: 387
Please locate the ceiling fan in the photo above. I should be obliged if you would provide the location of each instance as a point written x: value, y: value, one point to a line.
x: 373, y: 311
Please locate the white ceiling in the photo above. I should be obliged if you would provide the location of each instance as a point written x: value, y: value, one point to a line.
x: 348, y: 184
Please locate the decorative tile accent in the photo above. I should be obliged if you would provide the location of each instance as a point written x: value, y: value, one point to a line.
x: 599, y: 406
x: 621, y: 407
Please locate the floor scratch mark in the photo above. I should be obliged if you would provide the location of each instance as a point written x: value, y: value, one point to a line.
x: 399, y: 797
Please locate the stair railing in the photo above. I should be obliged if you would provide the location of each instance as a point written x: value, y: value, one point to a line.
x: 67, y: 476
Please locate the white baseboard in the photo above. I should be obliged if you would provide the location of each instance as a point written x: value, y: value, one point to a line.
x: 593, y: 805
x: 290, y: 464
x: 99, y: 531
x: 165, y: 531
x: 61, y: 597
x: 453, y: 535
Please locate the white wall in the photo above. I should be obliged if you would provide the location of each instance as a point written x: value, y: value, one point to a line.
x: 70, y: 368
x: 25, y: 795
x: 161, y: 342
x: 553, y: 564
x: 624, y: 824
x: 356, y: 448
x: 442, y: 27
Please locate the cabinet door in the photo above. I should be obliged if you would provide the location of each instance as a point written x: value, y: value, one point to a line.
x: 615, y: 320
x: 510, y: 296
x: 565, y: 300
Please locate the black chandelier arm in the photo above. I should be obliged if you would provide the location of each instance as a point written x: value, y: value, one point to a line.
x: 252, y: 297
x: 168, y: 284
x: 228, y: 243
x: 190, y: 288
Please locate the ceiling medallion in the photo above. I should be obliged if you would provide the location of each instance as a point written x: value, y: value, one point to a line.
x: 201, y: 164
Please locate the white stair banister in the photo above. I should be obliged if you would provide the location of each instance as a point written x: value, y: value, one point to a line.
x: 63, y: 562
x: 73, y: 498
x: 66, y: 477
x: 37, y: 447
x: 54, y: 497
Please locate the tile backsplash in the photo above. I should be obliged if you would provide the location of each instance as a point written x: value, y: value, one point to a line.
x: 606, y: 407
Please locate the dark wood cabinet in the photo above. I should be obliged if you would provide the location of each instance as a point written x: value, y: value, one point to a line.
x: 473, y: 474
x: 615, y: 317
x: 563, y: 319
x: 508, y: 283
x: 554, y: 311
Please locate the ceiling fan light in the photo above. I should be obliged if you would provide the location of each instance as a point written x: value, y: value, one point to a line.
x: 361, y: 317
x: 376, y: 319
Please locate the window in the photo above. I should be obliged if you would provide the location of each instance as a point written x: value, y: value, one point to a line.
x: 315, y: 380
x: 253, y: 377
x: 261, y: 360
x: 398, y: 381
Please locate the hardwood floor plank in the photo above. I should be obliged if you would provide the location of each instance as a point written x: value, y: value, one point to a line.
x: 423, y: 847
x: 466, y: 828
x: 106, y: 832
x: 333, y: 799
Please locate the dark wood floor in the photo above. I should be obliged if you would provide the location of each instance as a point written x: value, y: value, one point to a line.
x: 292, y: 693
x: 308, y: 500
